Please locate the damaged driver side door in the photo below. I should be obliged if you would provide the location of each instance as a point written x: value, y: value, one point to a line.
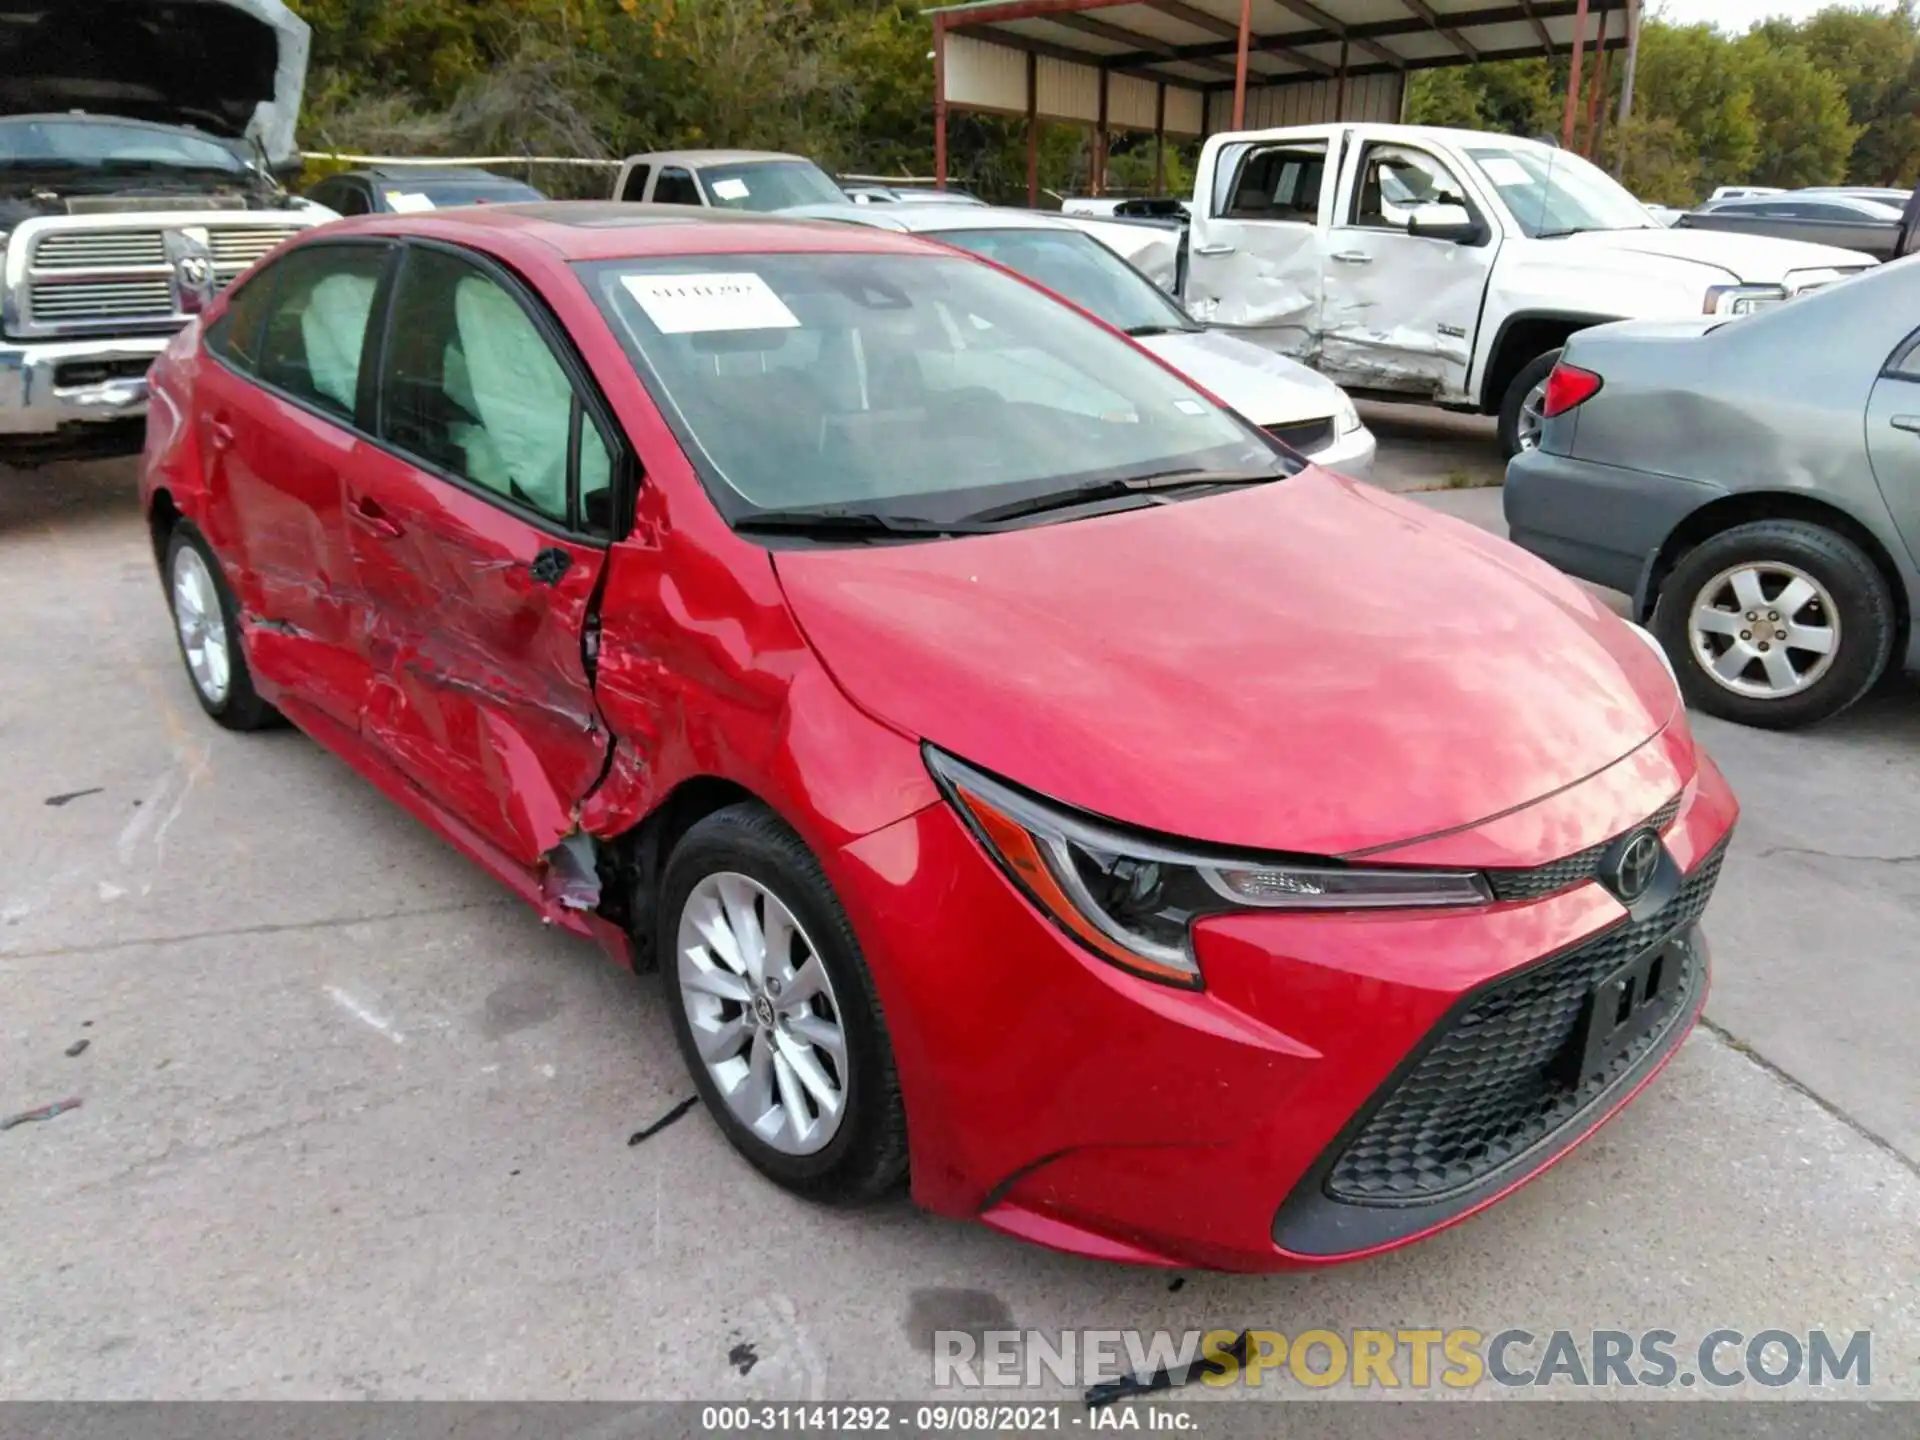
x: 478, y: 527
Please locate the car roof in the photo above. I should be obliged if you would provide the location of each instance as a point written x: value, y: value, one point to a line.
x: 431, y: 172
x: 694, y: 159
x: 618, y: 230
x: 920, y: 218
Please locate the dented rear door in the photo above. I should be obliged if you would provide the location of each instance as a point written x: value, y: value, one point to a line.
x: 477, y: 530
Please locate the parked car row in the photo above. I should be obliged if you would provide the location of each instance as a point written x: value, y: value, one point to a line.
x: 1883, y: 223
x: 931, y: 683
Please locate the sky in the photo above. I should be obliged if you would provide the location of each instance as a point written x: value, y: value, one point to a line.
x: 1739, y: 15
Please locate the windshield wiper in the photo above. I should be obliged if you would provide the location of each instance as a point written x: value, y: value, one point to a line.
x: 1148, y: 487
x: 1141, y: 331
x: 837, y: 522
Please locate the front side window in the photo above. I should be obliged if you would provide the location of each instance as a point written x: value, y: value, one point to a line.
x: 471, y: 387
x: 922, y: 386
x: 1396, y: 184
x: 235, y: 336
x: 1554, y: 192
x: 1274, y: 182
x: 1075, y: 265
x: 317, y: 326
x: 770, y: 185
x: 675, y: 187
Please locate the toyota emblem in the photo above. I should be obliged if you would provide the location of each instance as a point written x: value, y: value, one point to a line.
x: 1635, y: 866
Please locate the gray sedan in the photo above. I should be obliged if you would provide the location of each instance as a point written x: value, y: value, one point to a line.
x: 1753, y: 484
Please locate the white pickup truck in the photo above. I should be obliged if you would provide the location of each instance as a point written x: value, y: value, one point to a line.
x: 1449, y: 266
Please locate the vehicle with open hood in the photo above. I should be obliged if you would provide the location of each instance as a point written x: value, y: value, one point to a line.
x: 140, y: 145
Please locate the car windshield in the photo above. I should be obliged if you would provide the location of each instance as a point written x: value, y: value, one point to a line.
x: 1077, y: 266
x: 444, y: 194
x: 908, y: 385
x: 770, y: 185
x: 1553, y: 192
x: 103, y: 144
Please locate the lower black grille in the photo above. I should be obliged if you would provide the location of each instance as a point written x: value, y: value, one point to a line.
x: 1305, y: 437
x: 1576, y: 869
x: 1495, y: 1081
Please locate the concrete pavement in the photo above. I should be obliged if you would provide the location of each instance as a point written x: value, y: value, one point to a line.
x: 355, y: 1125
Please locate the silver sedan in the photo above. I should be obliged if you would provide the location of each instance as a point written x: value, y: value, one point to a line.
x: 1753, y: 484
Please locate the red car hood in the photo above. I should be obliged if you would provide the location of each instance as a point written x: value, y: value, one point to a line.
x: 1311, y: 666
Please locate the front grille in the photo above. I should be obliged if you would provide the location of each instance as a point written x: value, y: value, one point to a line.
x: 1575, y: 869
x: 1494, y: 1082
x: 236, y: 249
x: 1305, y: 436
x: 138, y: 298
x: 99, y: 249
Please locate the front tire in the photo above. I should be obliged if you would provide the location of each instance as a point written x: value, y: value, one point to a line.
x: 1520, y: 407
x: 1776, y: 624
x: 775, y: 1010
x: 206, y: 624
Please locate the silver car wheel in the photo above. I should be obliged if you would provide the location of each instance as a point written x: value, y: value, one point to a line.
x: 202, y: 626
x: 762, y: 1012
x: 1526, y: 431
x: 1765, y: 630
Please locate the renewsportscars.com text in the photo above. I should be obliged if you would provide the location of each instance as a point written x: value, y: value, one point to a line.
x: 1408, y: 1359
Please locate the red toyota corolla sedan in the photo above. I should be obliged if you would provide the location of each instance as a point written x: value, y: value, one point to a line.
x: 1025, y: 775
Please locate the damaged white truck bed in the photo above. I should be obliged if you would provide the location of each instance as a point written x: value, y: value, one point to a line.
x: 1451, y: 265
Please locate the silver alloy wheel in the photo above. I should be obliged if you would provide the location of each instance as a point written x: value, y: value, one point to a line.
x: 763, y: 1013
x: 1765, y: 629
x: 1526, y: 432
x: 202, y: 625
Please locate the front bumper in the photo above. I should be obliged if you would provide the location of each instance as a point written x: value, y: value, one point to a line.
x: 1060, y: 1100
x: 1351, y: 455
x: 48, y: 386
x: 1601, y: 523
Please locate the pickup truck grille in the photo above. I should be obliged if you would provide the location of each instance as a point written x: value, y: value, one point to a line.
x: 141, y: 298
x: 91, y: 280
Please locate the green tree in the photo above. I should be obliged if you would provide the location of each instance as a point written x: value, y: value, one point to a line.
x: 1803, y: 135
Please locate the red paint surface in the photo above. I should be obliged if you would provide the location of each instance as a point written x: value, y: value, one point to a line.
x: 1310, y: 666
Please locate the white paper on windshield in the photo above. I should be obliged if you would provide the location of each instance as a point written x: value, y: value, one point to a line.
x: 730, y: 189
x: 407, y: 202
x: 1505, y: 170
x: 1189, y: 407
x: 693, y: 304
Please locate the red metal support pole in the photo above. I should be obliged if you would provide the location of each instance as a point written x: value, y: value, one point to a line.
x: 1240, y: 65
x: 1593, y: 90
x: 940, y: 102
x: 1573, y: 78
x: 1033, y: 131
x: 1159, y: 139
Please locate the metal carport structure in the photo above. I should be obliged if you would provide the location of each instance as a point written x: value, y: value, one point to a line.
x: 1191, y: 67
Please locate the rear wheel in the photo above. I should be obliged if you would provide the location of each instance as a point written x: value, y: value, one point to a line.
x: 1520, y: 407
x: 206, y: 624
x: 1777, y: 623
x: 775, y: 1011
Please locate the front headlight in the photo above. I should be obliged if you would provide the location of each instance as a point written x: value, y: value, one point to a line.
x: 1653, y: 644
x: 1346, y: 419
x: 1741, y: 299
x: 1132, y: 899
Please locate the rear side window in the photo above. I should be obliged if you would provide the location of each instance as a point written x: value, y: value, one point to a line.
x: 472, y: 388
x: 316, y: 329
x: 235, y: 336
x: 636, y: 186
x: 1274, y: 182
x: 676, y: 187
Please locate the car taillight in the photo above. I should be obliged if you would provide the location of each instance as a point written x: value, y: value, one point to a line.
x: 1568, y: 386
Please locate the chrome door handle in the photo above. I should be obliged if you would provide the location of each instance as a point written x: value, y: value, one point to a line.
x: 1354, y: 257
x: 1214, y: 249
x: 1906, y: 422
